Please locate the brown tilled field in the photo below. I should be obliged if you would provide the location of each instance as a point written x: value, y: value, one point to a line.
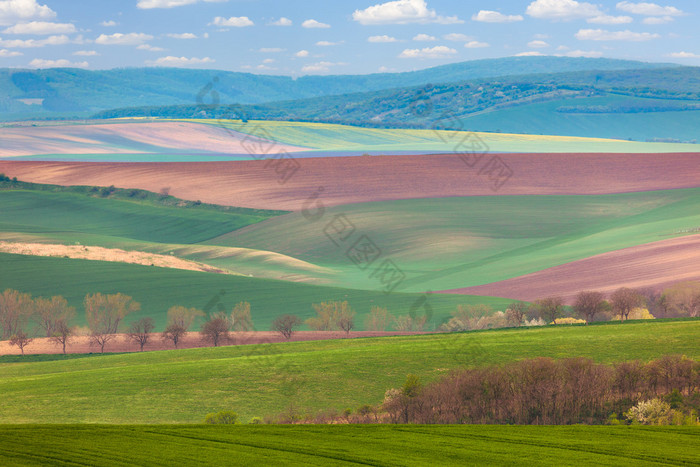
x: 655, y: 265
x: 81, y: 344
x: 346, y: 180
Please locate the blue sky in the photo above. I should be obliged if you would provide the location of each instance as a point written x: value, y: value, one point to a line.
x: 337, y: 37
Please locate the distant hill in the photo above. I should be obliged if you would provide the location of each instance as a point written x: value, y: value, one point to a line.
x: 68, y: 92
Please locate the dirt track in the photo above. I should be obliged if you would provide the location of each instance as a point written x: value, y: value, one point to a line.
x: 79, y: 345
x: 360, y: 179
x: 656, y: 265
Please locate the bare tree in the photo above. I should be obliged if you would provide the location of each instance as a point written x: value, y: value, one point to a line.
x: 21, y: 340
x: 140, y: 331
x: 515, y: 314
x: 378, y: 319
x: 61, y: 334
x: 104, y: 313
x: 346, y: 319
x: 184, y: 317
x: 240, y: 317
x: 549, y: 309
x: 588, y: 304
x: 50, y: 312
x: 328, y: 315
x: 101, y: 339
x: 285, y: 325
x: 624, y: 300
x: 15, y: 310
x: 684, y: 298
x: 174, y: 332
x: 216, y: 329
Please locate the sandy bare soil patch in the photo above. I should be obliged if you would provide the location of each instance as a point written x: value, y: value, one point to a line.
x: 360, y: 179
x: 125, y: 138
x: 96, y: 253
x: 81, y: 344
x: 656, y: 265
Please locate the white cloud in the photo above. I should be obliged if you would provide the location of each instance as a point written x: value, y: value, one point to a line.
x: 401, y: 12
x: 132, y: 38
x: 532, y: 53
x: 108, y: 24
x: 327, y: 43
x: 269, y: 60
x: 86, y: 53
x: 313, y: 24
x: 184, y: 35
x: 302, y: 54
x: 62, y: 63
x: 439, y: 51
x: 537, y: 44
x: 606, y: 19
x: 562, y: 10
x: 456, y: 37
x: 17, y: 11
x: 233, y: 21
x: 684, y: 55
x: 383, y: 38
x: 424, y: 38
x: 148, y: 4
x: 9, y: 53
x: 320, y: 67
x: 658, y: 20
x: 649, y: 9
x: 584, y: 53
x: 476, y: 45
x: 181, y: 61
x: 488, y: 16
x: 271, y: 50
x: 40, y: 28
x: 33, y: 43
x: 282, y: 22
x: 150, y: 48
x: 603, y: 35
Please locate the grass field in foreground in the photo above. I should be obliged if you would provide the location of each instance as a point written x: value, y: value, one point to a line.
x: 333, y: 137
x: 182, y: 386
x: 348, y: 445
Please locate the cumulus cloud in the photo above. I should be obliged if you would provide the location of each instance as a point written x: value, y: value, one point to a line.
x: 233, y: 21
x: 456, y: 37
x: 657, y: 19
x: 9, y: 53
x: 302, y: 54
x: 684, y: 55
x: 401, y: 12
x: 488, y: 16
x: 562, y: 10
x: 424, y: 38
x: 327, y: 43
x: 40, y: 28
x: 584, y: 53
x: 18, y: 11
x: 603, y: 35
x: 33, y: 43
x: 108, y: 24
x: 312, y: 24
x: 531, y: 53
x: 150, y: 48
x: 181, y: 61
x: 606, y: 19
x: 62, y: 63
x: 649, y: 9
x: 476, y: 45
x: 86, y: 53
x: 132, y: 38
x: 537, y: 44
x: 320, y: 67
x: 148, y: 4
x: 184, y: 35
x: 439, y: 51
x: 282, y: 22
x: 383, y: 38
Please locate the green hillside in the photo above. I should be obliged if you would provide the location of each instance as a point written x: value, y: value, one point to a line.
x: 181, y: 386
x: 458, y: 242
x: 347, y: 445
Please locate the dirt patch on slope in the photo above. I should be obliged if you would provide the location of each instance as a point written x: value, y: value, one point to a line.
x: 656, y: 265
x: 344, y: 180
x: 115, y: 255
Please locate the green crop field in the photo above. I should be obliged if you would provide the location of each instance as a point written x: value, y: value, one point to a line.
x: 181, y: 386
x: 331, y: 137
x: 458, y: 242
x: 347, y: 445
